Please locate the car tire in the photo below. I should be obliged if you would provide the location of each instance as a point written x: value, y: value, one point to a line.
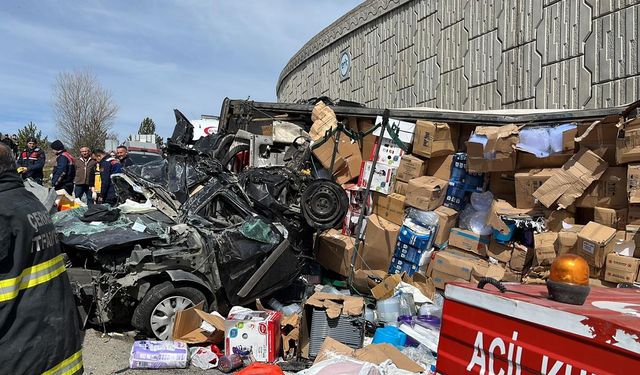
x: 155, y: 314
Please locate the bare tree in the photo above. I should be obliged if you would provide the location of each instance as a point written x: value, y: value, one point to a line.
x: 84, y: 110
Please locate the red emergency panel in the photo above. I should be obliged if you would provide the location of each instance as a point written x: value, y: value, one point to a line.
x: 488, y: 332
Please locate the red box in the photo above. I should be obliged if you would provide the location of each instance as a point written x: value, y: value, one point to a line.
x: 254, y: 331
x: 488, y: 332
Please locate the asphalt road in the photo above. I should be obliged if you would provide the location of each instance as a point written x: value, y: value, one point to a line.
x: 109, y: 354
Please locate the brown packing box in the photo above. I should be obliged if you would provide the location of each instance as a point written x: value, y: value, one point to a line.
x: 502, y: 141
x: 595, y: 242
x: 455, y: 263
x: 633, y: 214
x: 374, y: 353
x: 433, y: 139
x: 447, y: 218
x: 555, y: 218
x: 632, y: 233
x: 290, y: 332
x: 502, y: 185
x: 511, y: 276
x: 469, y: 241
x: 494, y: 271
x: 571, y: 180
x: 610, y: 190
x: 621, y: 269
x: 379, y: 243
x: 526, y: 160
x: 500, y: 252
x: 365, y: 280
x: 519, y: 257
x: 186, y: 327
x: 440, y: 167
x: 337, y: 304
x: 628, y: 143
x: 567, y: 241
x: 348, y: 159
x: 386, y: 288
x: 390, y: 207
x: 335, y: 251
x: 368, y: 142
x: 324, y: 119
x: 440, y: 279
x: 600, y: 137
x: 400, y: 187
x: 545, y: 251
x: 611, y: 217
x: 527, y: 182
x: 426, y: 193
x: 410, y: 168
x: 633, y: 183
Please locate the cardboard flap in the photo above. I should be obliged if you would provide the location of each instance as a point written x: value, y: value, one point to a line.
x: 186, y: 327
x: 597, y: 233
x: 336, y: 304
x: 500, y: 208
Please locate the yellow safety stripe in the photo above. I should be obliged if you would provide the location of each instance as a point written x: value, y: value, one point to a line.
x: 30, y: 277
x: 69, y: 366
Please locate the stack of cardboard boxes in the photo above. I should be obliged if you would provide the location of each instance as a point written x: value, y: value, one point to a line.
x: 581, y: 194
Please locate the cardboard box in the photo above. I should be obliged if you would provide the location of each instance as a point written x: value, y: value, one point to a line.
x: 400, y: 187
x: 633, y: 183
x: 610, y: 190
x: 544, y: 250
x: 334, y: 252
x: 433, y: 139
x: 290, y: 331
x: 527, y: 182
x: 411, y: 167
x: 469, y: 241
x: 374, y: 353
x: 390, y: 207
x: 440, y: 167
x: 383, y: 177
x: 600, y: 137
x: 405, y: 129
x: 567, y: 242
x: 519, y: 257
x: 633, y: 214
x: 621, y: 269
x: 337, y: 304
x: 367, y: 143
x: 571, y: 180
x: 448, y: 217
x: 387, y: 287
x: 595, y: 242
x: 632, y: 233
x: 194, y: 326
x: 529, y: 161
x: 455, y: 263
x: 484, y: 269
x: 426, y: 193
x: 390, y: 153
x: 628, y: 142
x: 503, y: 186
x: 258, y: 331
x: 611, y: 217
x: 324, y: 119
x: 500, y: 252
x: 346, y: 166
x: 556, y: 218
x: 441, y: 279
x: 501, y: 144
x: 379, y: 243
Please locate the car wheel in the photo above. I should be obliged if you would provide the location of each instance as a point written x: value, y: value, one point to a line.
x: 156, y: 312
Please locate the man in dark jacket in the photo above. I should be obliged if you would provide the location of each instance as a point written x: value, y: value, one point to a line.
x: 65, y: 170
x: 108, y: 166
x: 39, y: 326
x: 31, y: 161
x: 123, y: 156
x: 85, y: 175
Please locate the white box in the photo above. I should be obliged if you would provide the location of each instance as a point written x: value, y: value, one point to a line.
x: 257, y: 332
x: 383, y: 178
x: 390, y: 153
x: 406, y: 129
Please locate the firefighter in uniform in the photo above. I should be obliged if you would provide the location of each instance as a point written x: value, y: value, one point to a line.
x: 39, y: 325
x: 31, y: 161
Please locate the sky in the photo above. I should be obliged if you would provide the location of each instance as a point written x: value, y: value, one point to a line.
x: 152, y: 56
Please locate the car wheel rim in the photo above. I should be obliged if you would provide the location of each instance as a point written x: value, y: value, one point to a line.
x: 163, y: 315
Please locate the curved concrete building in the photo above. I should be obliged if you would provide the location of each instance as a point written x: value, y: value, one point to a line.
x: 473, y: 55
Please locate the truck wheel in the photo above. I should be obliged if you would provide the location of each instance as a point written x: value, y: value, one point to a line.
x: 156, y: 312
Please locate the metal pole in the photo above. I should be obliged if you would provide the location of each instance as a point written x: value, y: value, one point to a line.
x: 367, y: 193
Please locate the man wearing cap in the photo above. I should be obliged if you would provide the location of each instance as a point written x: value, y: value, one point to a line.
x: 65, y: 170
x: 31, y: 161
x: 39, y: 325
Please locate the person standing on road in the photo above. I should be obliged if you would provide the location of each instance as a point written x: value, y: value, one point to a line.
x: 107, y: 166
x: 31, y: 161
x: 39, y: 325
x: 85, y: 175
x: 123, y: 156
x: 65, y: 170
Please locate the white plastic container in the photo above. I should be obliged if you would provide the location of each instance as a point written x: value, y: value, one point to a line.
x: 389, y: 310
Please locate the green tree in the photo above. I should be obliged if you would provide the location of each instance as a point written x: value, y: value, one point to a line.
x: 31, y: 130
x: 147, y: 126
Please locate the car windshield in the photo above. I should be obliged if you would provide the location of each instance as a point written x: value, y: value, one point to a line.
x: 143, y: 158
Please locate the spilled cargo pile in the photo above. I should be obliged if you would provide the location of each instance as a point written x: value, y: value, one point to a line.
x: 329, y: 238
